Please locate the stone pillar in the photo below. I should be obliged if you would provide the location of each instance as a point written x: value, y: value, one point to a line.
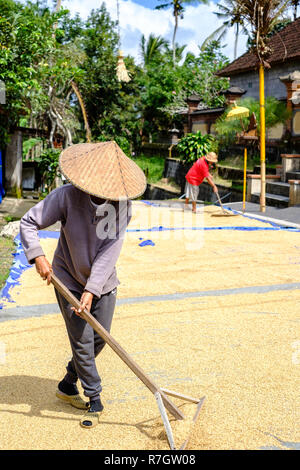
x: 292, y: 83
x: 253, y: 185
x: 233, y: 94
x: 192, y: 102
x: 13, y: 165
x: 294, y: 192
x: 290, y: 163
x: 174, y: 136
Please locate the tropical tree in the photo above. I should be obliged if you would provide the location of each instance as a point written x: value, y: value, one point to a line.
x: 295, y: 4
x: 199, y: 77
x: 157, y: 83
x: 276, y: 113
x: 111, y: 106
x: 229, y: 12
x: 151, y: 48
x: 178, y: 12
x: 260, y: 16
x: 26, y: 38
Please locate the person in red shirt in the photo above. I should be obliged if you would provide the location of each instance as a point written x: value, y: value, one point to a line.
x: 196, y: 175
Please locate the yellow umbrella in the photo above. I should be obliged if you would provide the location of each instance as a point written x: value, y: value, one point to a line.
x: 238, y: 112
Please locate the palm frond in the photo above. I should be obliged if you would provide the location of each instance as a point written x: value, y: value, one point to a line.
x: 215, y: 35
x: 163, y: 6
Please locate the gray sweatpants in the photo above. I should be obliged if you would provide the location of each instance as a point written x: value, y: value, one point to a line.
x: 85, y: 343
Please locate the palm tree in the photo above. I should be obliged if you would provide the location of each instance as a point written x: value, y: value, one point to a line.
x: 230, y: 14
x: 261, y: 16
x: 295, y: 4
x: 178, y: 11
x: 150, y: 49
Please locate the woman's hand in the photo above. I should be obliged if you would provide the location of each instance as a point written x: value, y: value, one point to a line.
x: 85, y: 303
x: 43, y: 268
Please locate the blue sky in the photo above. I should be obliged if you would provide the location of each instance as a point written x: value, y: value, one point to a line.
x: 147, y: 3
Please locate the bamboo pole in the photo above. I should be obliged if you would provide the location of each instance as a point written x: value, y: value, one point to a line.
x: 245, y: 179
x: 262, y: 138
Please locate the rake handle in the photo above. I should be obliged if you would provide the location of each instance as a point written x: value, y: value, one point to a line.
x: 85, y: 314
x: 220, y: 202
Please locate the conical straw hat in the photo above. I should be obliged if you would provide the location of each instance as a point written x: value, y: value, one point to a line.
x: 212, y: 157
x: 102, y: 169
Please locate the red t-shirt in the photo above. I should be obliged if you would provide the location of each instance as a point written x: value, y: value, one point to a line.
x: 198, y: 172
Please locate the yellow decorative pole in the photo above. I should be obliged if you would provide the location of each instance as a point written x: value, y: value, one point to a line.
x: 262, y: 138
x: 238, y: 112
x: 245, y: 176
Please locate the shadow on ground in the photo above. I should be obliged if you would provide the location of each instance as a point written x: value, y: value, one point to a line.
x: 37, y: 393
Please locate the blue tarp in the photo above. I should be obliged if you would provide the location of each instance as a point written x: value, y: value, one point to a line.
x: 20, y: 264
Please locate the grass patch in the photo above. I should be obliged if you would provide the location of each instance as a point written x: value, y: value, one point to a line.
x: 10, y: 218
x: 238, y: 163
x: 7, y: 247
x: 153, y: 167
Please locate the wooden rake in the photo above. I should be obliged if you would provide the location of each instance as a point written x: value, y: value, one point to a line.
x: 161, y: 395
x: 224, y: 211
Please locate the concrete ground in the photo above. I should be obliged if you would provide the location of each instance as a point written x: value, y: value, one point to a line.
x: 207, y: 306
x: 11, y: 206
x: 289, y: 216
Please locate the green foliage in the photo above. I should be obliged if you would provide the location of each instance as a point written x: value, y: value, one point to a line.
x: 195, y: 145
x: 153, y: 167
x: 7, y: 249
x: 35, y: 68
x: 48, y: 165
x: 276, y: 112
x: 198, y: 75
x: 151, y: 49
x: 122, y: 142
x: 29, y: 144
x: 110, y: 105
x: 42, y: 53
x: 24, y: 40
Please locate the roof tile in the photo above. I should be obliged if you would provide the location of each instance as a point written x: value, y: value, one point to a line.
x: 285, y: 45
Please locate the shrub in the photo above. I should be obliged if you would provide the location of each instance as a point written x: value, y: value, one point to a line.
x: 195, y: 145
x: 48, y: 165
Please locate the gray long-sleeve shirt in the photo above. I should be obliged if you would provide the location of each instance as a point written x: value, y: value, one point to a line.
x: 90, y: 241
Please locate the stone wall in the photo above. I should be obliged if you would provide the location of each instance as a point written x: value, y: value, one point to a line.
x: 158, y: 149
x: 175, y: 169
x: 154, y: 192
x: 249, y: 81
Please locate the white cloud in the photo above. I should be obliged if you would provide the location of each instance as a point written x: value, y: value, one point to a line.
x: 201, y: 22
x: 135, y: 20
x: 198, y: 22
